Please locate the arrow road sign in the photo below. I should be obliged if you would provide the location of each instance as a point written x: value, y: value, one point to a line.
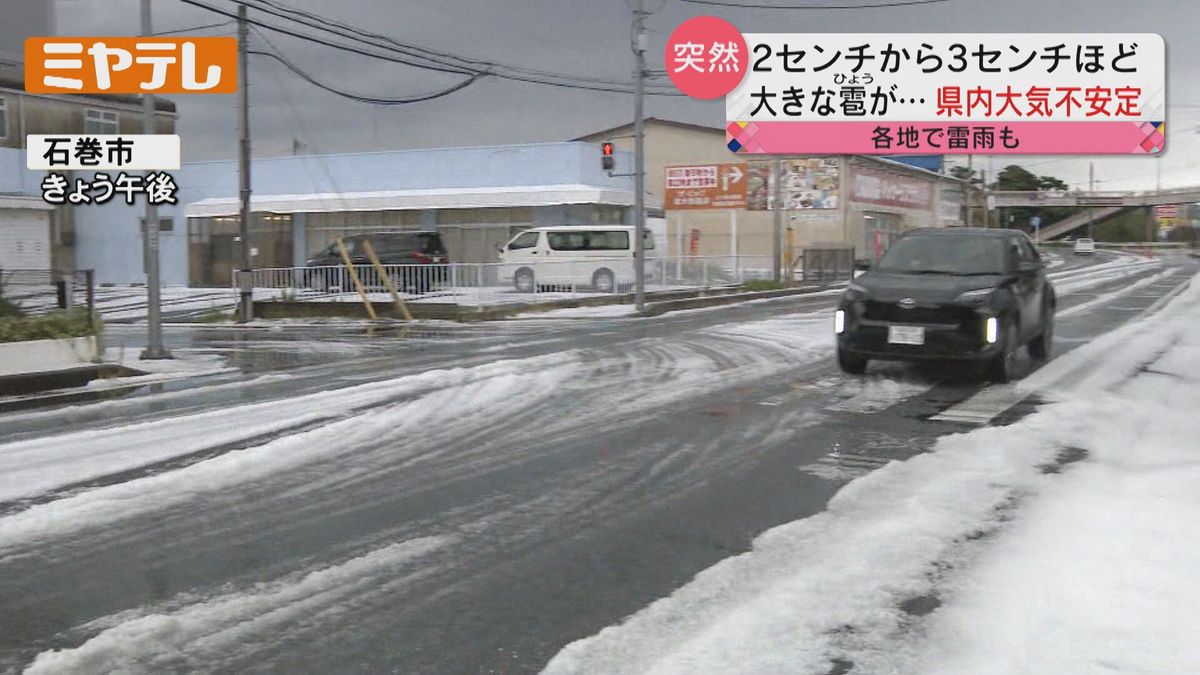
x: 730, y: 175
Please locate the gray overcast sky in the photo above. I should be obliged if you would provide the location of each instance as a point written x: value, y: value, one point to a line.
x: 591, y: 37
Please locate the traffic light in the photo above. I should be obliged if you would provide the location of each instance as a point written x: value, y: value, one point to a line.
x: 607, y: 160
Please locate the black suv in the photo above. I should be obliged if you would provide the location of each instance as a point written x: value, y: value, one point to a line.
x: 415, y: 261
x: 949, y: 293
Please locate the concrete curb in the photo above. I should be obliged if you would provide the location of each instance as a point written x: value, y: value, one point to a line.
x: 34, y: 356
x: 285, y: 309
x: 659, y: 308
x: 51, y: 380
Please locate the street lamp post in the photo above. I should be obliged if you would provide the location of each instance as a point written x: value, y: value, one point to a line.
x: 154, y: 346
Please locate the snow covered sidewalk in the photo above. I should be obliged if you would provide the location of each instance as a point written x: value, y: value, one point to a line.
x: 997, y: 552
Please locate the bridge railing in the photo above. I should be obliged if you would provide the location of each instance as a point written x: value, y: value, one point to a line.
x: 1010, y: 198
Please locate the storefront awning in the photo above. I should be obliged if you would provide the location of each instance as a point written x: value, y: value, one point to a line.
x: 410, y: 200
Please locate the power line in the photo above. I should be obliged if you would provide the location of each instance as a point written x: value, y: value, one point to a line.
x: 877, y: 5
x: 317, y: 40
x: 194, y: 28
x: 278, y: 56
x: 445, y: 58
x: 518, y: 73
x: 367, y: 99
x: 425, y: 63
x: 293, y: 110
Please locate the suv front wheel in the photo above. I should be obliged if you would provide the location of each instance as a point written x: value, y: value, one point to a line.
x: 1040, y: 347
x: 1002, y: 365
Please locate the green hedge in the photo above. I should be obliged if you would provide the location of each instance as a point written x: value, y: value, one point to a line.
x: 9, y: 308
x: 62, y: 324
x: 761, y: 285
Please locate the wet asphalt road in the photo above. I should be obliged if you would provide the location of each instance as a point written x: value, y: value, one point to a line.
x: 555, y: 476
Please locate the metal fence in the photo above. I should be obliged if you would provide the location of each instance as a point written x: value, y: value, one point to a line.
x: 495, y: 283
x: 828, y: 264
x: 41, y: 291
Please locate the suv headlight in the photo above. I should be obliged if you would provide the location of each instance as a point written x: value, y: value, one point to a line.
x: 977, y: 296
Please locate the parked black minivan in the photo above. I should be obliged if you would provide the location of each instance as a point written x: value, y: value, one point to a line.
x: 416, y: 262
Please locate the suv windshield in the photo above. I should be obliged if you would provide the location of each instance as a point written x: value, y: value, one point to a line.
x: 945, y: 255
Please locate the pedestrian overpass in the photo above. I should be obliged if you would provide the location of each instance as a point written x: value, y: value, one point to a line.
x: 1099, y: 204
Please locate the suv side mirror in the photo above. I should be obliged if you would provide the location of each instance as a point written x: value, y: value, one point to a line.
x: 863, y: 264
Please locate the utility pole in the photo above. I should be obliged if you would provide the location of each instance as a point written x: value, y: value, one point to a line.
x: 639, y: 160
x: 987, y: 210
x: 967, y: 189
x: 154, y: 346
x: 246, y: 304
x: 1091, y: 188
x: 1151, y: 220
x: 777, y: 214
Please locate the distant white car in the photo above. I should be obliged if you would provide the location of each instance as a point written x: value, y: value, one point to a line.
x: 1085, y: 246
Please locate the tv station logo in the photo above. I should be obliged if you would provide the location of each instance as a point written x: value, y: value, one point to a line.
x: 131, y: 65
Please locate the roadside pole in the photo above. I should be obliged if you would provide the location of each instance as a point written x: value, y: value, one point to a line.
x: 733, y: 245
x: 154, y: 346
x: 987, y: 207
x: 789, y: 258
x: 777, y: 214
x: 384, y: 277
x: 245, y: 285
x: 639, y: 170
x: 967, y: 188
x: 362, y: 291
x: 1091, y: 188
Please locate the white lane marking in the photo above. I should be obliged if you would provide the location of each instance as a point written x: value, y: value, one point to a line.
x: 838, y: 466
x: 989, y: 402
x: 1109, y: 297
x: 983, y: 406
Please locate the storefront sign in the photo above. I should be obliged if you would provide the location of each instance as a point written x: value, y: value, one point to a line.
x: 878, y: 187
x: 811, y: 183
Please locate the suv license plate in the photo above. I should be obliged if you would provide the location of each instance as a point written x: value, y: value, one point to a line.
x: 906, y: 335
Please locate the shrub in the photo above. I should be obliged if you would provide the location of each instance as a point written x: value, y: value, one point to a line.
x: 8, y: 308
x: 54, y: 325
x: 214, y: 315
x: 762, y: 285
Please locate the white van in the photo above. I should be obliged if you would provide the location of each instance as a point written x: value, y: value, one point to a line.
x: 596, y: 256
